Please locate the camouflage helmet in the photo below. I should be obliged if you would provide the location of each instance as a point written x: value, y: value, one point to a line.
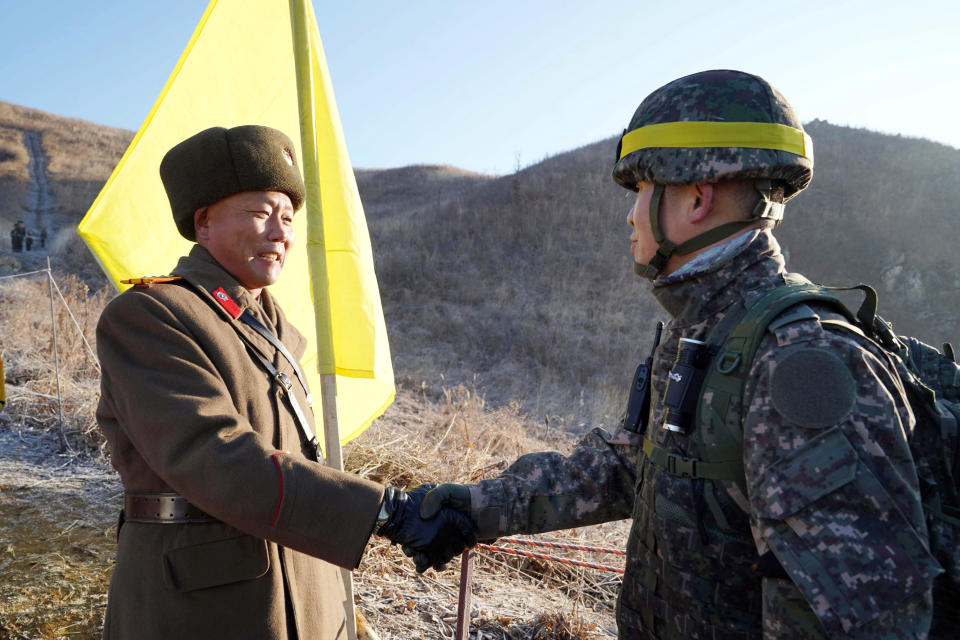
x: 714, y: 126
x: 709, y: 127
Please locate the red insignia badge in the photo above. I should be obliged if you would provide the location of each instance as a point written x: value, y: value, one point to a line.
x: 288, y: 157
x: 227, y: 303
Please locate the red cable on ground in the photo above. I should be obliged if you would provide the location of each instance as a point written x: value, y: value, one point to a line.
x: 543, y: 556
x: 463, y: 623
x: 562, y: 545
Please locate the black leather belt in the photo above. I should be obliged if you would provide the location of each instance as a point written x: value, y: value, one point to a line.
x: 162, y: 508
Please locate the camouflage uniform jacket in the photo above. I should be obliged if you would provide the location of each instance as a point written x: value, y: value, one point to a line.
x: 830, y: 540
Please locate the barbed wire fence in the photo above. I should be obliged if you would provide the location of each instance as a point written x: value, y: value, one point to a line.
x: 53, y: 287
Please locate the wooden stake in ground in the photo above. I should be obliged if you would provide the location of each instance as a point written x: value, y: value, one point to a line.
x: 463, y: 606
x: 331, y: 433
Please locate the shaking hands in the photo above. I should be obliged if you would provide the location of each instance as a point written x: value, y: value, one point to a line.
x: 431, y: 523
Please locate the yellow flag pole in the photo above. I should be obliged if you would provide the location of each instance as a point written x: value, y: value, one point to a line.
x: 318, y: 263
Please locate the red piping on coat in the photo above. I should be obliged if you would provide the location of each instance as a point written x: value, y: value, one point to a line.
x: 276, y: 463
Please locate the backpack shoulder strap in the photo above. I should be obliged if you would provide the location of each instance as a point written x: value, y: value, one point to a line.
x: 740, y: 345
x: 719, y: 430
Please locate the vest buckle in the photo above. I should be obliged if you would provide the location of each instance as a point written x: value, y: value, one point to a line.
x: 680, y: 466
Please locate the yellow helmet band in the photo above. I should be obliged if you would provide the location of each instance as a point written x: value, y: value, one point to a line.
x: 753, y: 135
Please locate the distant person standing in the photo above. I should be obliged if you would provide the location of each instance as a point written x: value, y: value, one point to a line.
x: 16, y: 236
x: 43, y: 237
x: 29, y: 241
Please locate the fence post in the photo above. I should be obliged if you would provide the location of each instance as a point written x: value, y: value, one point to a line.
x: 56, y: 354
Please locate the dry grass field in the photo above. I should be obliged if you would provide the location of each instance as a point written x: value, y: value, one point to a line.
x: 59, y: 498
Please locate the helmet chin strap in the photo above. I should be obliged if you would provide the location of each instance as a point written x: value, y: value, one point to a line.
x: 665, y: 248
x: 765, y: 209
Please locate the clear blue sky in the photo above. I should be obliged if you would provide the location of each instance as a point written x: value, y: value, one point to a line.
x: 492, y: 85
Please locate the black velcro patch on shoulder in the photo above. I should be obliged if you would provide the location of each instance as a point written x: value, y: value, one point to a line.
x: 813, y: 388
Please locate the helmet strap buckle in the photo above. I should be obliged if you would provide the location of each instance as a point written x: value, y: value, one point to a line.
x: 766, y: 208
x: 649, y: 271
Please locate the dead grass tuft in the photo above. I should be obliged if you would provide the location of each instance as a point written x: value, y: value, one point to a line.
x: 29, y: 363
x: 545, y: 626
x: 457, y: 439
x: 57, y: 548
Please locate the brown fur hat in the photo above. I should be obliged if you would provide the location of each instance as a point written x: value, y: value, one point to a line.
x: 219, y: 162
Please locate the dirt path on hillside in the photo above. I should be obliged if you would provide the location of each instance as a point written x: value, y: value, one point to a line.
x: 41, y: 198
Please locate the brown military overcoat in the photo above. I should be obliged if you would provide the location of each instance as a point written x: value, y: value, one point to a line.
x: 186, y: 409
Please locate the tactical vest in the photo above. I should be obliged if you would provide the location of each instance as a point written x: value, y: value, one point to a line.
x: 711, y: 462
x: 692, y: 567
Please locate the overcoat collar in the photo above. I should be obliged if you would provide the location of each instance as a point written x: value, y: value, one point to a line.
x: 207, y: 276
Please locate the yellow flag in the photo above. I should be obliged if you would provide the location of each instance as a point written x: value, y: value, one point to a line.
x: 237, y: 69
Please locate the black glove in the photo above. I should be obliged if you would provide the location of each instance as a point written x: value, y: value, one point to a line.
x: 431, y: 543
x: 445, y: 495
x: 439, y: 499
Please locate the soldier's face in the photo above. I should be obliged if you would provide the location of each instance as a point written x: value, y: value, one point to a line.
x: 249, y: 234
x: 642, y: 245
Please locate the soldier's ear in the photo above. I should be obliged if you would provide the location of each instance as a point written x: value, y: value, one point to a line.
x: 201, y: 224
x: 703, y: 201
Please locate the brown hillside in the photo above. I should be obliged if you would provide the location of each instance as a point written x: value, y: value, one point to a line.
x: 881, y: 210
x: 73, y: 159
x: 525, y: 282
x: 522, y: 284
x: 401, y: 191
